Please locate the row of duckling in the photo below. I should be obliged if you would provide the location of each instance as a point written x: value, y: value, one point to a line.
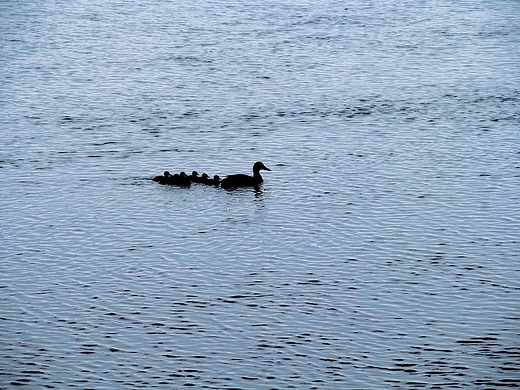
x: 183, y: 180
x: 230, y: 182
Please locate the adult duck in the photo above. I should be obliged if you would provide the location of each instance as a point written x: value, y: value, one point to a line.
x: 240, y: 180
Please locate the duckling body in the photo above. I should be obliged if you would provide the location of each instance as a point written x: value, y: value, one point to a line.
x: 241, y: 180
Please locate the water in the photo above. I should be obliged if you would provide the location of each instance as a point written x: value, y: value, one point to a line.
x: 382, y: 251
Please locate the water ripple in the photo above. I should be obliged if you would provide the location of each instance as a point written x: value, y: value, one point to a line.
x: 382, y: 250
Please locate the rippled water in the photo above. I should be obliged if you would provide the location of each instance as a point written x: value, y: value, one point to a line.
x: 382, y: 252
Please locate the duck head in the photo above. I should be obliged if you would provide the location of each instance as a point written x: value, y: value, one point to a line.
x: 259, y: 166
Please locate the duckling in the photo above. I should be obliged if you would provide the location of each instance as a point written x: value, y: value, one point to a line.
x: 203, y: 178
x: 194, y: 177
x: 162, y: 179
x: 180, y: 180
x: 212, y: 182
x: 241, y: 180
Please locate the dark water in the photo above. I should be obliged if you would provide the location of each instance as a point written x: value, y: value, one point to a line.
x: 383, y: 251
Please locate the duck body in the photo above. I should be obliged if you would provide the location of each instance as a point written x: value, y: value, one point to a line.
x: 241, y: 180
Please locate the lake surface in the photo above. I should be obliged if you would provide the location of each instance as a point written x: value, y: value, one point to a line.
x: 382, y: 251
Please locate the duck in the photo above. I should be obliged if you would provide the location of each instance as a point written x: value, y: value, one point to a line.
x: 163, y: 179
x: 211, y: 182
x: 195, y: 178
x: 183, y: 180
x: 204, y: 177
x: 179, y: 180
x: 240, y: 180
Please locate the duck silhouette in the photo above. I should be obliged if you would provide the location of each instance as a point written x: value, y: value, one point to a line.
x: 195, y: 178
x: 241, y: 180
x: 180, y: 180
x: 211, y: 182
x: 164, y: 178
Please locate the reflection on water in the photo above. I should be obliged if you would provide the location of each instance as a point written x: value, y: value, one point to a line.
x: 381, y: 251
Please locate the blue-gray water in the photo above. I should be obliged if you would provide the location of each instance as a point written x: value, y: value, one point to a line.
x: 383, y: 251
